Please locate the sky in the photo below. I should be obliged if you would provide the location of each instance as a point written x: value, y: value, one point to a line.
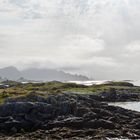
x: 96, y: 38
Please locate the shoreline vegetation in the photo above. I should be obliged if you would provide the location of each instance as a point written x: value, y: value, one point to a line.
x: 110, y: 92
x: 56, y: 110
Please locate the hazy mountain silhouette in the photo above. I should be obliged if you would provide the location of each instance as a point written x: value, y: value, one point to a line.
x: 13, y: 73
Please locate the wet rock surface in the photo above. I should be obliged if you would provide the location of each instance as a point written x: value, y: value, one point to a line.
x: 115, y: 95
x: 67, y: 116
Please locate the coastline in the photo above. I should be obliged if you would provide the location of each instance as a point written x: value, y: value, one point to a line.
x: 54, y: 110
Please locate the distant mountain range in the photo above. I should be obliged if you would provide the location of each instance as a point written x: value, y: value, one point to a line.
x: 38, y: 74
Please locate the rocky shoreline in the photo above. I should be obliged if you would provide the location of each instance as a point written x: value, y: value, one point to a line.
x: 66, y: 116
x: 114, y: 95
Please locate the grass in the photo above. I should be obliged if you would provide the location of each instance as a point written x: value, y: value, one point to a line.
x: 17, y: 90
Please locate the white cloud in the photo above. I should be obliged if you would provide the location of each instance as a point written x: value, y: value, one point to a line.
x: 81, y: 33
x: 80, y: 46
x: 71, y: 50
x: 133, y: 47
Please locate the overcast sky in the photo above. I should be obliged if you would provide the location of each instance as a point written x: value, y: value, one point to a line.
x: 97, y: 38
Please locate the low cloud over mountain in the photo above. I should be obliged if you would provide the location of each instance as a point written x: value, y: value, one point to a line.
x: 13, y: 73
x: 97, y: 38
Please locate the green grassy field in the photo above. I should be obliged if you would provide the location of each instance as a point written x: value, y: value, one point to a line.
x: 17, y: 90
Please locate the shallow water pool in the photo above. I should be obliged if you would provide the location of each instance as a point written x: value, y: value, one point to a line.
x: 128, y: 105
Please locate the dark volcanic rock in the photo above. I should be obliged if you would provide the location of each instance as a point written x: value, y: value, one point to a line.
x: 68, y: 116
x: 116, y: 95
x: 112, y: 96
x: 100, y: 124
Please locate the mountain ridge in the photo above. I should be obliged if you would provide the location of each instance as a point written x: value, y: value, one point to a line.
x: 39, y: 74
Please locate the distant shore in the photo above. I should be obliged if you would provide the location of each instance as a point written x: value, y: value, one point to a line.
x: 99, y: 82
